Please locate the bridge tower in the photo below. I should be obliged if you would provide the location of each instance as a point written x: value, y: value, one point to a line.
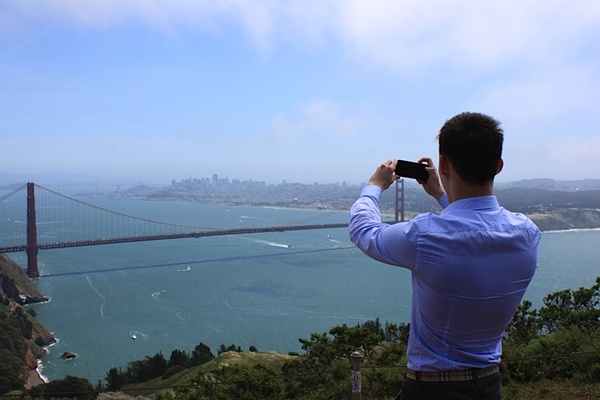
x: 399, y: 201
x: 32, y: 246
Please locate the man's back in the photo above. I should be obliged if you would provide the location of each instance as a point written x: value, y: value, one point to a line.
x: 473, y: 264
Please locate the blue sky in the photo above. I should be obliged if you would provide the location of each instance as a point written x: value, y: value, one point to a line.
x: 306, y: 91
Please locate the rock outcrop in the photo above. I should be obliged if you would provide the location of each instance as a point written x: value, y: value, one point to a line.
x: 15, y: 284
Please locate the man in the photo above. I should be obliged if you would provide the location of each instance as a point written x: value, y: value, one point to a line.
x: 470, y: 265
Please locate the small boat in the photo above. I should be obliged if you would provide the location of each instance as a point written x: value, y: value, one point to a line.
x: 134, y: 337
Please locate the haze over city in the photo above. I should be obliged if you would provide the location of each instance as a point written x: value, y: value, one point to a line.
x: 304, y: 91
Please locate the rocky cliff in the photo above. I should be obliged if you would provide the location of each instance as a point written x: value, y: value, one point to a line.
x: 15, y: 284
x: 16, y: 290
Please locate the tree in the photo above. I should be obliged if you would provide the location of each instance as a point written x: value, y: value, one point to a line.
x: 70, y: 387
x: 201, y: 354
x: 9, y: 372
x: 397, y: 333
x: 115, y: 379
x: 12, y: 351
x: 567, y: 307
x: 525, y: 324
x: 319, y: 348
x: 568, y: 353
x: 374, y: 327
x: 342, y: 341
x: 24, y: 322
x: 149, y: 368
x: 245, y: 383
x: 560, y: 340
x: 179, y: 357
x: 231, y: 347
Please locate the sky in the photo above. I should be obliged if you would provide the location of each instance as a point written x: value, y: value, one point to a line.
x: 299, y: 90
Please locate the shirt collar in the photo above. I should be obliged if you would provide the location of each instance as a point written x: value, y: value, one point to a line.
x: 479, y: 203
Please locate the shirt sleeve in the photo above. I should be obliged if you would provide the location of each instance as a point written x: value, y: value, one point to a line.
x: 392, y: 244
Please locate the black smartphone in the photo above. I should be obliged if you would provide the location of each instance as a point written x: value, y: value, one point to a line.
x: 410, y: 169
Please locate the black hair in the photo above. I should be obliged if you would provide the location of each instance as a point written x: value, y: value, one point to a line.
x: 473, y: 144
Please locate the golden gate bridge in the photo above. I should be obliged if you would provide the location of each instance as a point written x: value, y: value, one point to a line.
x: 36, y: 218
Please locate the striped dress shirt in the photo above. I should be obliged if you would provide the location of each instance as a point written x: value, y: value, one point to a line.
x: 470, y: 267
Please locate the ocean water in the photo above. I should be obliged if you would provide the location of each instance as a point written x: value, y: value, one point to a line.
x: 112, y: 304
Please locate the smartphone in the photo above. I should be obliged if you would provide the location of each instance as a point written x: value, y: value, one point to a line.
x: 410, y: 169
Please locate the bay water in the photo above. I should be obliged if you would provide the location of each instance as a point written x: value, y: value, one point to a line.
x: 112, y: 304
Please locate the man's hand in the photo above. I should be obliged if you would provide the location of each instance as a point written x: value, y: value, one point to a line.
x: 385, y: 175
x: 432, y: 186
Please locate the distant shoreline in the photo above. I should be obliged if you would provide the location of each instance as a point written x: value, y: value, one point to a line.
x: 574, y: 230
x: 34, y: 378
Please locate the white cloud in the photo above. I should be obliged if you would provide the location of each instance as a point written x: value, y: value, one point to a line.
x: 404, y: 35
x: 543, y: 95
x: 576, y: 151
x: 469, y: 34
x: 324, y: 118
x: 571, y: 156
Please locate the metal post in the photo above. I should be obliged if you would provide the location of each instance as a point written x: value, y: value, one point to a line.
x: 355, y: 361
x: 399, y: 206
x: 402, y: 200
x: 32, y: 246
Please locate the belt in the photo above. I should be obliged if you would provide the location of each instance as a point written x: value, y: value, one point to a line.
x: 452, y: 376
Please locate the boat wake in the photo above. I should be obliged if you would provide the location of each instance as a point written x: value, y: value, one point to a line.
x: 332, y: 240
x: 243, y: 217
x: 270, y: 243
x: 156, y: 295
x: 99, y: 294
x: 135, y: 335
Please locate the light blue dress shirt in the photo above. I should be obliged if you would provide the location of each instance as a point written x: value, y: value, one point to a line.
x: 470, y: 265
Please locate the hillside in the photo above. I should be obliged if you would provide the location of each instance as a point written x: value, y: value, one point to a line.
x: 551, y: 184
x: 566, y: 219
x: 22, y: 336
x: 186, y: 377
x: 532, y: 200
x: 556, y: 209
x: 14, y: 283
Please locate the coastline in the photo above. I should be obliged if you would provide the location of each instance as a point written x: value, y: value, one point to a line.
x: 35, y: 378
x: 572, y: 230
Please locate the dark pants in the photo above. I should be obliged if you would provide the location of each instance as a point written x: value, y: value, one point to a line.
x: 488, y: 388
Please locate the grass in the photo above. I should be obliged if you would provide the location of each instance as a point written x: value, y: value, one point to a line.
x: 551, y: 390
x: 272, y: 359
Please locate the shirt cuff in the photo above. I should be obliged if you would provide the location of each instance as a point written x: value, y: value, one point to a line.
x: 371, y: 191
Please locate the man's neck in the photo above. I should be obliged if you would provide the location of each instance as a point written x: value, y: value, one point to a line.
x: 465, y: 190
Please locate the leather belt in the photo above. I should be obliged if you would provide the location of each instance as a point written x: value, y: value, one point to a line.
x: 452, y: 376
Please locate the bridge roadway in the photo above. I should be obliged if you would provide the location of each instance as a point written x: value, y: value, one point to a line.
x: 211, y: 232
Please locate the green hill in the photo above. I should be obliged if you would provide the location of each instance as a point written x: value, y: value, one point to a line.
x: 22, y: 336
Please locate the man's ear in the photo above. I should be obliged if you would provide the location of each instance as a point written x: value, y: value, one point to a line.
x: 500, y: 166
x: 444, y: 166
